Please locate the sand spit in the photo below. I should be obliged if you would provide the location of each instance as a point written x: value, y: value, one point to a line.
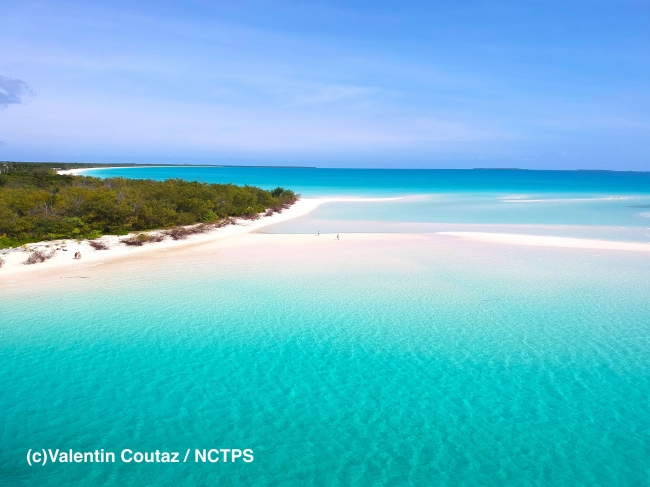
x: 64, y: 250
x: 545, y: 241
x: 80, y: 170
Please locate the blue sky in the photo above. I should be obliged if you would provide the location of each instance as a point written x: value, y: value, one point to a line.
x: 536, y: 84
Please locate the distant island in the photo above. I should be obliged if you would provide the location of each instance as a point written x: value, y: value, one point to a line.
x: 37, y: 203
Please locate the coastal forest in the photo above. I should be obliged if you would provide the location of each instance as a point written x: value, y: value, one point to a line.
x: 37, y: 203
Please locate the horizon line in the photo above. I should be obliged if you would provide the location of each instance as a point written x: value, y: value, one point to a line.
x: 107, y: 165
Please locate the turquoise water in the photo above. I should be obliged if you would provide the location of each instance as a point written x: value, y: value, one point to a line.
x: 391, y: 182
x: 409, y: 361
x: 614, y: 219
x: 587, y: 204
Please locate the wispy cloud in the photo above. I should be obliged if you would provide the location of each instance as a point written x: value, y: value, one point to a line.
x: 279, y: 77
x: 13, y: 91
x: 328, y: 94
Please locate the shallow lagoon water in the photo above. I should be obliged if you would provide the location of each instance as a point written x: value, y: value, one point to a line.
x: 586, y: 204
x: 581, y: 218
x: 412, y: 360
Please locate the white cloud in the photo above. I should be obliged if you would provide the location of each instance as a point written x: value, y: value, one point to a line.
x: 13, y: 91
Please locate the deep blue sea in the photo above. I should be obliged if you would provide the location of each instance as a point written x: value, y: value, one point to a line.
x: 411, y: 360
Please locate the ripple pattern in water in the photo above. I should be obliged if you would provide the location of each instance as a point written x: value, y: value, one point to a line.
x: 397, y: 363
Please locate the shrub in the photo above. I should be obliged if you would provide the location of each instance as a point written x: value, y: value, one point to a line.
x: 202, y: 228
x: 38, y: 256
x: 210, y: 216
x: 143, y: 238
x: 98, y: 245
x: 225, y: 222
x: 181, y: 233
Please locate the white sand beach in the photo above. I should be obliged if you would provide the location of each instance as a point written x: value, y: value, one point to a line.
x: 243, y: 233
x: 80, y: 170
x: 64, y: 250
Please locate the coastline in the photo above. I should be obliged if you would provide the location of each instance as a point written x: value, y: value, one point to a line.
x: 63, y: 261
x: 79, y: 170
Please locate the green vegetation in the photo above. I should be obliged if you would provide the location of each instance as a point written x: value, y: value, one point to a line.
x: 38, y: 204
